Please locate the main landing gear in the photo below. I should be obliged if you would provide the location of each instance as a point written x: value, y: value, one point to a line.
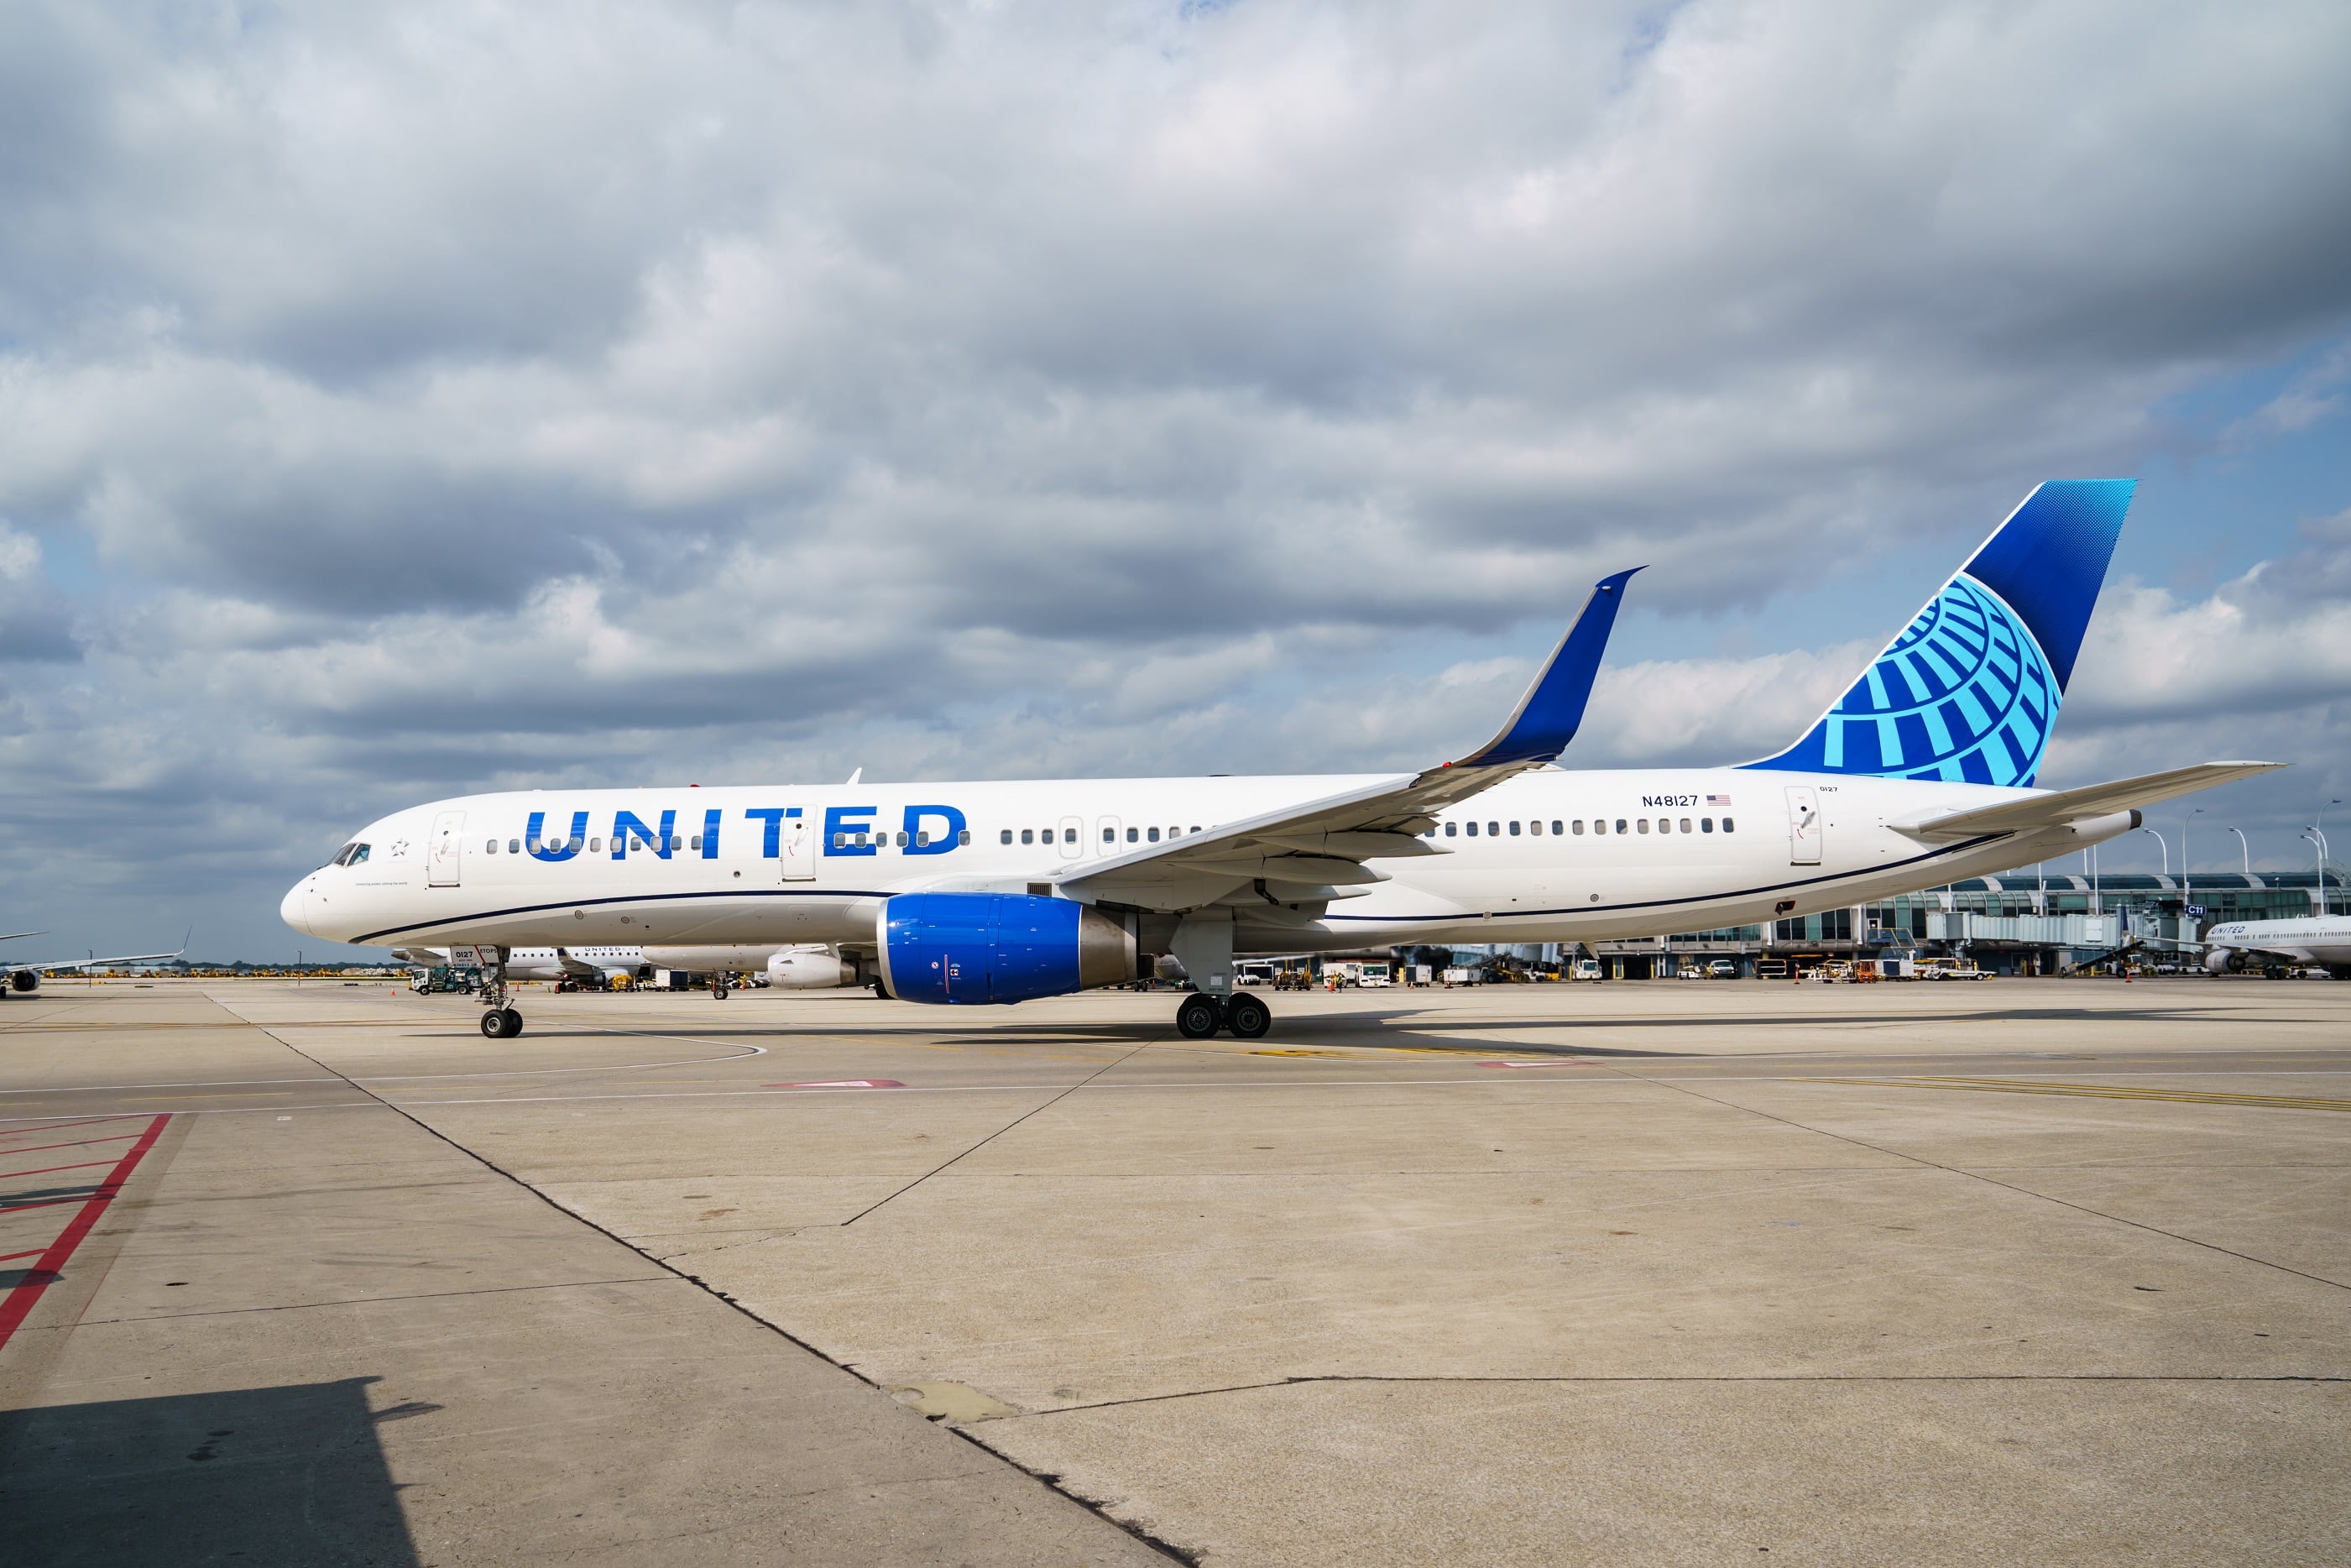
x: 1201, y: 1015
x: 500, y: 1021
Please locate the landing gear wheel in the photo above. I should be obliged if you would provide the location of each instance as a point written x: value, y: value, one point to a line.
x: 501, y: 1023
x: 1247, y: 1018
x: 1197, y: 1016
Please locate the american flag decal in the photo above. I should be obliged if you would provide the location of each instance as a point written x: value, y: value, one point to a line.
x: 1717, y: 800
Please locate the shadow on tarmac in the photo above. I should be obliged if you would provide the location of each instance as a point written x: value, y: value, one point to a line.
x: 249, y: 1476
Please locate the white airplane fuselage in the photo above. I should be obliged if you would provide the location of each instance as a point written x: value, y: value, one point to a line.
x: 2305, y: 939
x: 1555, y: 856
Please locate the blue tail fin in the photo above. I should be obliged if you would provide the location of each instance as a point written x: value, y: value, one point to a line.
x: 1970, y: 690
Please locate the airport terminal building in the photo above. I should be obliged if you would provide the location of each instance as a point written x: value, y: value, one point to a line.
x: 2032, y: 921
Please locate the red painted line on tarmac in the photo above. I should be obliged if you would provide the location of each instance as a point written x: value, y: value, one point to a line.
x: 17, y: 1304
x: 842, y: 1083
x: 47, y: 1170
x: 76, y: 1143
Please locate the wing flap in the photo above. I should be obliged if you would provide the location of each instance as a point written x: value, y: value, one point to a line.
x: 2055, y: 808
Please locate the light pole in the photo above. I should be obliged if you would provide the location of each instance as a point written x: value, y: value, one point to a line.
x: 2166, y: 849
x: 2249, y: 851
x: 2322, y: 852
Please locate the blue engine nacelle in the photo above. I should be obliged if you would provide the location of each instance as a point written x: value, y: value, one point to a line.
x: 975, y: 948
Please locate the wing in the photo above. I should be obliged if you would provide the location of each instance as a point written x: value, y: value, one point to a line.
x: 12, y: 936
x: 1317, y: 851
x: 2055, y: 808
x: 95, y: 962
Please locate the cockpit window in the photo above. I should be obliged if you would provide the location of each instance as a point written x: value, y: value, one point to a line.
x: 357, y: 853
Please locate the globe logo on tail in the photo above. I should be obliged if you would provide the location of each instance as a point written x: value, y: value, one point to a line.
x: 1964, y: 693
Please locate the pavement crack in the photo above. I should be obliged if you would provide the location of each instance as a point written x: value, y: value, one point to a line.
x: 1065, y: 1094
x: 1978, y: 1176
x: 1501, y: 1379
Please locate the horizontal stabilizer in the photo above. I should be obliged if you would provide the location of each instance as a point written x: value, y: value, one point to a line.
x: 2059, y: 807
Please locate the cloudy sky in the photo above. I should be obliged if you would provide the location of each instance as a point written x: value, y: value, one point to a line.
x: 402, y: 401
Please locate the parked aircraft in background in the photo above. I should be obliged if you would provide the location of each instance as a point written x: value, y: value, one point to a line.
x: 1921, y: 773
x: 22, y: 979
x: 805, y: 967
x: 2277, y: 945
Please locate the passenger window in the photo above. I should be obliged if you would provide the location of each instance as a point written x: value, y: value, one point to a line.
x: 1069, y: 835
x: 862, y: 843
x: 902, y: 838
x: 1535, y: 828
x: 1579, y: 827
x: 1555, y: 827
x: 1645, y: 823
x: 491, y: 848
x: 1620, y: 824
x: 962, y: 835
x: 1195, y: 827
x: 1685, y: 827
x: 1110, y: 835
x: 1028, y: 835
x: 1130, y: 835
x: 1154, y: 835
x: 922, y: 840
x: 1514, y: 829
x: 697, y: 841
x: 1705, y: 824
x: 595, y: 846
x: 1449, y: 830
x: 1473, y: 830
x: 841, y: 840
x: 1493, y: 830
x: 1726, y: 824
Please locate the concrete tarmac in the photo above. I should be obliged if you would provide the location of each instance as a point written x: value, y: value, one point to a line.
x: 1645, y: 1272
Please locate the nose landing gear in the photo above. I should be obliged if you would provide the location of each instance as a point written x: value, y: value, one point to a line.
x: 1201, y: 1015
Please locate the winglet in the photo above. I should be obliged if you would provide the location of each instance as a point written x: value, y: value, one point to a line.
x: 1548, y: 717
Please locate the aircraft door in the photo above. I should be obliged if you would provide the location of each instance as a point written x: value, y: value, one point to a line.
x: 1074, y: 838
x: 1106, y: 838
x: 443, y: 856
x: 796, y: 849
x: 1804, y: 825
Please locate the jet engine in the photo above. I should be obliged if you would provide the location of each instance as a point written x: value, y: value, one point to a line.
x: 810, y: 969
x: 979, y: 947
x: 2224, y: 961
x: 23, y: 982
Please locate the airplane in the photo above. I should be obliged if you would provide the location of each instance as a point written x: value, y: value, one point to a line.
x: 805, y: 967
x: 22, y: 979
x: 2276, y: 946
x: 1922, y: 772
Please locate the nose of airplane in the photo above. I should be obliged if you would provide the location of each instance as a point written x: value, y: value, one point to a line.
x: 295, y: 907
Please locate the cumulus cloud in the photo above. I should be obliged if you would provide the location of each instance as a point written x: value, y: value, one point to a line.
x: 405, y: 399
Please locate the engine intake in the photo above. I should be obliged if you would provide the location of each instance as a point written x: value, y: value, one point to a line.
x: 978, y: 947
